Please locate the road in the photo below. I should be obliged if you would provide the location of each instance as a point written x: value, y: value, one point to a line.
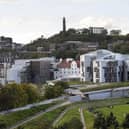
x: 38, y: 115
x: 32, y: 105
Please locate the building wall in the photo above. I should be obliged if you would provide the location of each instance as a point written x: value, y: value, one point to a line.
x: 107, y: 71
x: 30, y: 71
x: 66, y: 73
x: 40, y: 71
x: 3, y: 72
x: 86, y: 67
x: 126, y: 70
x: 97, y: 30
x: 14, y: 73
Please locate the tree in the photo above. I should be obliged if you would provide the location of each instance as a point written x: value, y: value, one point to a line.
x: 12, y: 96
x: 16, y: 95
x: 106, y: 123
x: 53, y: 91
x: 49, y: 92
x: 100, y: 122
x: 58, y: 90
x: 112, y: 122
x: 126, y: 122
x: 32, y: 92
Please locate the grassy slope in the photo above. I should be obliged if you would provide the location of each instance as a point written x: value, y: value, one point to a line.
x: 89, y: 119
x: 13, y: 118
x: 50, y: 117
x: 74, y: 112
x: 119, y: 111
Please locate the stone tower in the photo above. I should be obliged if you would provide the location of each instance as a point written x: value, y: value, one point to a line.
x: 64, y: 24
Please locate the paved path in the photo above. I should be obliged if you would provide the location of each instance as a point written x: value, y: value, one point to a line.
x: 82, y: 118
x: 38, y: 115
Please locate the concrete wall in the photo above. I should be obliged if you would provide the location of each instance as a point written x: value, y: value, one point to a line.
x: 106, y: 94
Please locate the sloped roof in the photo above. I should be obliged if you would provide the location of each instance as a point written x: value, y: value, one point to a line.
x: 67, y: 64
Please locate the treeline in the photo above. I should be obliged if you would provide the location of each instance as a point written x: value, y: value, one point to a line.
x: 16, y: 95
x: 72, y: 35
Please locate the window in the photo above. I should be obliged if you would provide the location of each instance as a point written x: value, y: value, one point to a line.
x: 128, y: 75
x: 97, y: 80
x: 88, y: 69
x: 97, y: 64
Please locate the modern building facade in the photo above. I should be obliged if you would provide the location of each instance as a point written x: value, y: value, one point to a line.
x: 104, y: 66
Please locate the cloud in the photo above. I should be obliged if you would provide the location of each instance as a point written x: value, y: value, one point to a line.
x: 25, y: 29
x: 85, y: 1
x: 7, y: 1
x: 107, y: 22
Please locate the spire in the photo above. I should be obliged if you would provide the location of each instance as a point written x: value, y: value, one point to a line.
x: 64, y: 24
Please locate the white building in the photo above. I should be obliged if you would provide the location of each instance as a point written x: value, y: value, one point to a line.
x: 3, y: 72
x: 97, y: 30
x: 102, y: 66
x: 67, y: 69
x: 14, y: 73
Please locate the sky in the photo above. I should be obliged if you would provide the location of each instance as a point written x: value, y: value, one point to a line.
x: 26, y: 20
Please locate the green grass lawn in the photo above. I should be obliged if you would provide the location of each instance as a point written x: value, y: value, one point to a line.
x: 119, y: 111
x: 12, y: 118
x: 106, y: 86
x: 107, y: 102
x: 75, y: 82
x: 89, y: 119
x: 72, y: 113
x: 49, y: 117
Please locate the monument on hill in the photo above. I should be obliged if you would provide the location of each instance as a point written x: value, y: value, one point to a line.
x: 64, y: 24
